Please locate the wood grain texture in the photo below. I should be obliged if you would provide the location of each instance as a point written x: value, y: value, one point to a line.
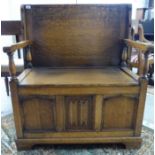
x: 38, y: 114
x: 12, y: 67
x: 10, y: 52
x: 78, y: 112
x: 84, y: 134
x: 76, y: 35
x: 78, y: 77
x: 60, y: 113
x: 19, y: 45
x: 119, y: 112
x: 131, y: 142
x: 17, y: 109
x: 140, y: 64
x: 141, y: 46
x: 77, y: 92
x: 98, y: 103
x: 141, y: 106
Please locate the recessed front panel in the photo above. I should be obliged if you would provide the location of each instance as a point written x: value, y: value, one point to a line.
x: 39, y: 113
x: 79, y: 113
x: 119, y: 112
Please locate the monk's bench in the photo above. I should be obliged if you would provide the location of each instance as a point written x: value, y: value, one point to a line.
x: 77, y: 86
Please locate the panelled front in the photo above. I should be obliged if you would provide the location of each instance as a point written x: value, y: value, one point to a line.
x: 77, y: 113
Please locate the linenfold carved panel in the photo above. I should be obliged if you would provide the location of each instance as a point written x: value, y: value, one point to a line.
x: 78, y: 112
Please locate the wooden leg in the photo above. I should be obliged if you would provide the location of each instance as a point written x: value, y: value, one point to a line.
x: 22, y: 146
x: 7, y: 85
x: 133, y: 145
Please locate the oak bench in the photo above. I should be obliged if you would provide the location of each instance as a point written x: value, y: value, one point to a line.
x: 77, y: 86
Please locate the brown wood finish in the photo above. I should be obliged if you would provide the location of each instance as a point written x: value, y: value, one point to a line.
x: 42, y: 109
x: 48, y: 90
x: 130, y: 142
x: 144, y: 62
x: 12, y: 67
x: 17, y: 109
x: 10, y: 52
x: 79, y: 89
x: 98, y: 112
x: 17, y: 46
x: 141, y: 105
x: 122, y: 117
x: 60, y: 115
x: 74, y: 77
x: 84, y: 134
x: 11, y: 27
x: 140, y: 64
x: 143, y: 47
x: 88, y: 31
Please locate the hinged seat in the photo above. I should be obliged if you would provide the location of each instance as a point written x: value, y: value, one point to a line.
x: 106, y: 76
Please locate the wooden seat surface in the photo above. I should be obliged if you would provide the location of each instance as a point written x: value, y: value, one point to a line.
x: 84, y: 77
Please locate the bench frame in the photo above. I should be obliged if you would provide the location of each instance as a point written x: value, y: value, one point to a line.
x: 91, y: 128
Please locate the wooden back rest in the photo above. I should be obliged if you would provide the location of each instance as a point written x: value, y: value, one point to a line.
x: 76, y: 35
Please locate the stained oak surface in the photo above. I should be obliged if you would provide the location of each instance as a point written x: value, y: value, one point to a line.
x: 105, y: 76
x: 84, y: 90
x: 76, y: 35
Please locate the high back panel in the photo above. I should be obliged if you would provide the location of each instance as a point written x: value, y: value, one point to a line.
x: 76, y: 35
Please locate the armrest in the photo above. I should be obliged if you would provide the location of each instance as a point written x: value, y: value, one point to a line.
x: 17, y: 46
x: 142, y: 46
x: 10, y: 52
x: 143, y: 49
